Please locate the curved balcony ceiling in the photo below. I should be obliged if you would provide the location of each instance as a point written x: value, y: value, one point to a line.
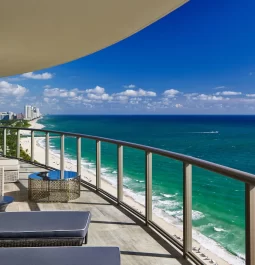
x: 40, y: 34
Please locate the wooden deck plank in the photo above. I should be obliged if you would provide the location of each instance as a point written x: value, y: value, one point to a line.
x: 110, y: 225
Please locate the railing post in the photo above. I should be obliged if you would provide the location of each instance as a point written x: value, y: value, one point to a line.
x: 187, y: 209
x: 78, y: 146
x: 120, y: 174
x: 148, y: 191
x: 250, y: 224
x: 98, y: 164
x: 62, y: 156
x: 18, y: 144
x: 4, y: 143
x: 47, y: 145
x: 32, y: 145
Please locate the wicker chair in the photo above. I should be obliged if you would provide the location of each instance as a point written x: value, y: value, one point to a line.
x: 11, y: 169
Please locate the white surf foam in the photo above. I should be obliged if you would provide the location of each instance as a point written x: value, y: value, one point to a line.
x: 217, y: 229
x: 169, y: 195
x: 214, y: 247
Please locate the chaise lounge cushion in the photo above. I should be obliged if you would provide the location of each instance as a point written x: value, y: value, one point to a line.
x: 61, y: 256
x: 44, y: 224
x: 9, y: 162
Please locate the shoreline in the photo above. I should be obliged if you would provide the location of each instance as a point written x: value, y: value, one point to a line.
x: 170, y: 227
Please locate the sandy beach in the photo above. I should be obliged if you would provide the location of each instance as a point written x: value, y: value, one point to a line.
x: 207, y: 255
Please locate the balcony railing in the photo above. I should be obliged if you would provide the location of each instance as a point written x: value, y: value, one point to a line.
x: 188, y: 162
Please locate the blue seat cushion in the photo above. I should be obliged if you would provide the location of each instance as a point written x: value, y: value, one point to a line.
x: 61, y: 256
x: 44, y: 224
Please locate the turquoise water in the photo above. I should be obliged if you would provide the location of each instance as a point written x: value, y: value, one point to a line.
x: 218, y: 202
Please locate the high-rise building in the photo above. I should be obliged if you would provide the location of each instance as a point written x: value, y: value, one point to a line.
x: 37, y: 112
x: 31, y: 112
x: 6, y: 115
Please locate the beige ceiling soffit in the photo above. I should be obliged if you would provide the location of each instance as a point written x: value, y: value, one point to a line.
x: 39, y: 34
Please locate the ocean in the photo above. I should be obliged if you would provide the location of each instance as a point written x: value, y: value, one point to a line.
x: 218, y: 201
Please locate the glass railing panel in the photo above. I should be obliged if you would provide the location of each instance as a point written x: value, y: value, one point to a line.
x: 167, y: 195
x: 134, y: 178
x: 11, y: 142
x: 39, y: 147
x: 70, y: 154
x: 88, y: 160
x: 218, y: 217
x: 109, y: 168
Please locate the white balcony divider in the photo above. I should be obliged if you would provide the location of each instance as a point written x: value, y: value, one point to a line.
x: 78, y: 146
x: 148, y: 188
x: 62, y: 156
x: 247, y: 178
x: 187, y: 209
x: 18, y: 144
x: 47, y: 149
x: 120, y: 174
x: 98, y: 165
x: 4, y: 142
x: 32, y: 146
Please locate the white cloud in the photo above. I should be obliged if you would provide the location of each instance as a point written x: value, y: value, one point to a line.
x: 129, y: 86
x: 170, y: 93
x: 42, y: 76
x: 190, y: 95
x: 219, y: 87
x: 228, y: 93
x: 67, y: 94
x: 97, y: 90
x: 59, y: 92
x: 137, y: 93
x: 8, y: 89
x: 100, y: 97
x: 207, y: 97
x: 250, y: 95
x: 50, y: 100
x: 120, y: 98
x: 52, y: 92
x: 178, y: 105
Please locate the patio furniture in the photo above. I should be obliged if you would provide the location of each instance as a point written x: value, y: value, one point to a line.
x: 49, y: 228
x: 11, y: 168
x: 49, y: 187
x: 61, y: 256
x: 4, y: 200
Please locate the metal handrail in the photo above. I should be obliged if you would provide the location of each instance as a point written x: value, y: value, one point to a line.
x: 188, y: 162
x: 216, y: 168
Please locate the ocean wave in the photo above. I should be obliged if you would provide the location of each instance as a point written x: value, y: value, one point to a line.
x: 169, y: 195
x: 140, y: 181
x: 214, y: 247
x: 167, y: 203
x: 196, y: 215
x: 218, y: 229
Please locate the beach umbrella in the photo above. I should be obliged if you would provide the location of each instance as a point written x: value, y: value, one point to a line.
x: 40, y: 34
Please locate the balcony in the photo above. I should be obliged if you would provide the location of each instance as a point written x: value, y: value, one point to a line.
x: 116, y: 222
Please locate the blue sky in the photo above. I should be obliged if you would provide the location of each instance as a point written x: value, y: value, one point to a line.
x: 197, y: 60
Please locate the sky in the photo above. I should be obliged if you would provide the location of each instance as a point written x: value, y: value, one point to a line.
x: 197, y: 60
